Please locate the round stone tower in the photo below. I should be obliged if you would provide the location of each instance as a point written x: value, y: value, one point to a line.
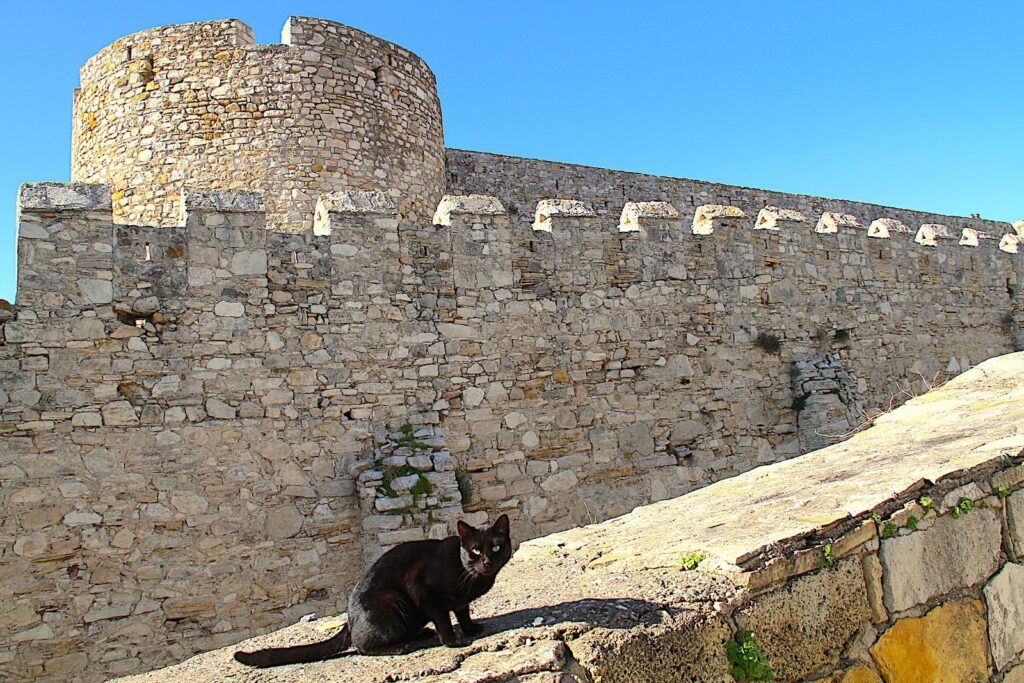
x: 331, y: 108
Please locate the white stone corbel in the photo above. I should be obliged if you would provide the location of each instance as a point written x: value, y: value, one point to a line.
x: 929, y: 234
x: 705, y: 216
x: 830, y: 222
x: 968, y: 237
x: 633, y: 214
x: 775, y: 218
x: 546, y: 208
x: 455, y: 204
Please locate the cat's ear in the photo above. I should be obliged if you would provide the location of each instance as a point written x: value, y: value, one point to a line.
x: 501, y: 525
x: 465, y: 530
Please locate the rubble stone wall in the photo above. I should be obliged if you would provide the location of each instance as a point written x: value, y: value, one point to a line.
x: 331, y: 108
x: 194, y: 419
x: 892, y: 556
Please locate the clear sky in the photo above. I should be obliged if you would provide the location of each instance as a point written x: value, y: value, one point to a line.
x: 917, y: 103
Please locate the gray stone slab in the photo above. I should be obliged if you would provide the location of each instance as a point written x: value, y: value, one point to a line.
x: 950, y: 554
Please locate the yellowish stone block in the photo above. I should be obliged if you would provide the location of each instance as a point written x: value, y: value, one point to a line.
x: 860, y: 674
x: 947, y: 645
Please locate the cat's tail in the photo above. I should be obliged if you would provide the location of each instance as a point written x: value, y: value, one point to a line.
x: 278, y: 656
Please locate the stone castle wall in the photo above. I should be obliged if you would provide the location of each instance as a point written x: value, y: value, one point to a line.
x: 217, y: 404
x: 194, y: 419
x: 330, y: 109
x: 894, y: 556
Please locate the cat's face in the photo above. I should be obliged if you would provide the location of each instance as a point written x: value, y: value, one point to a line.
x: 485, y: 551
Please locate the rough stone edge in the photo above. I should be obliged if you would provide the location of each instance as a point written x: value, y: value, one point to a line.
x: 351, y: 203
x: 221, y: 201
x: 48, y: 196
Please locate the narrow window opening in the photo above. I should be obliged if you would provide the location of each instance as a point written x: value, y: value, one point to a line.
x: 147, y: 253
x: 128, y: 53
x: 295, y: 257
x: 1010, y: 291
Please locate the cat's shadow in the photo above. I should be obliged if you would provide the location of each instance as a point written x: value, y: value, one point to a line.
x: 605, y: 612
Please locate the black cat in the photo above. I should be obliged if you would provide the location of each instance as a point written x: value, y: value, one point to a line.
x: 411, y: 584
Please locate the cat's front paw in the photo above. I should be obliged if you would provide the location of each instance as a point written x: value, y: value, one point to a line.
x: 454, y: 641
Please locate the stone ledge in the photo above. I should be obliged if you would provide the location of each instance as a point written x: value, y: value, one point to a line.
x: 223, y: 201
x: 64, y: 197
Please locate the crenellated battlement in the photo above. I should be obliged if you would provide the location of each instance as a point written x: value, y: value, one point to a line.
x: 223, y: 242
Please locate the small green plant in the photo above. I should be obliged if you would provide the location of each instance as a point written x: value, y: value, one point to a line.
x: 768, y: 342
x: 889, y: 530
x: 422, y: 487
x: 689, y: 562
x: 465, y: 486
x: 408, y: 439
x: 925, y: 502
x: 800, y: 402
x: 828, y: 556
x: 842, y: 335
x: 1002, y: 492
x: 877, y: 518
x: 962, y: 508
x: 1005, y: 462
x: 746, y: 661
x: 392, y: 473
x: 912, y: 523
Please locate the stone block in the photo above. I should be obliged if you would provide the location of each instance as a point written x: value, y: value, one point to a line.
x: 947, y: 645
x: 1004, y: 596
x: 64, y: 197
x: 1015, y: 523
x: 636, y: 439
x: 1015, y: 675
x: 692, y: 651
x: 176, y: 609
x: 950, y: 554
x: 804, y: 626
x: 685, y: 432
x: 283, y: 522
x: 119, y: 414
x: 560, y: 481
x: 860, y: 674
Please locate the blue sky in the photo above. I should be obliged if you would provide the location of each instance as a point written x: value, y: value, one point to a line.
x: 914, y: 103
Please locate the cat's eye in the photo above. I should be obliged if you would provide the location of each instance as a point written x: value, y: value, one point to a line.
x: 475, y: 551
x: 496, y: 548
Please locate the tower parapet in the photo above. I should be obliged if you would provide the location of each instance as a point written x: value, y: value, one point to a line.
x: 329, y: 109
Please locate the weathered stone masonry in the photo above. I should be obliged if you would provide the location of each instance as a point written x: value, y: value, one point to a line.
x: 202, y: 425
x: 331, y: 108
